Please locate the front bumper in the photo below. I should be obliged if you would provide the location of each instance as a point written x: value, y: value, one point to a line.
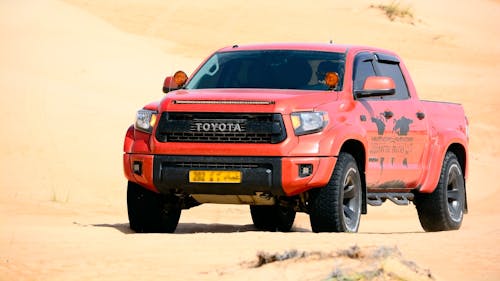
x: 171, y: 173
x: 275, y: 176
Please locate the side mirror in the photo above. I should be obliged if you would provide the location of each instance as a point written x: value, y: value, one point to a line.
x: 174, y: 82
x: 377, y: 86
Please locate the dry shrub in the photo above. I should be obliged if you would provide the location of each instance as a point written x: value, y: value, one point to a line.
x: 395, y: 10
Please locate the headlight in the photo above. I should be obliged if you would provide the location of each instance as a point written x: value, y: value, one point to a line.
x: 308, y: 122
x: 145, y: 120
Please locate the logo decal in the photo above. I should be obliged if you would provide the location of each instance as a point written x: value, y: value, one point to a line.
x: 402, y: 126
x: 217, y: 127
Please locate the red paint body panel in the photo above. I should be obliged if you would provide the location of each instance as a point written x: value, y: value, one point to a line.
x: 146, y: 179
x: 410, y: 160
x: 448, y: 127
x: 293, y: 184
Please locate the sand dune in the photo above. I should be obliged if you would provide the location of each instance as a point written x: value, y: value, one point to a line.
x: 72, y: 74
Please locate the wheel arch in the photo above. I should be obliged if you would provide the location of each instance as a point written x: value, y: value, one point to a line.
x: 459, y: 150
x: 358, y: 151
x: 461, y: 153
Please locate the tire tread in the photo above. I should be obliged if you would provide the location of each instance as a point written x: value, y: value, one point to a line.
x: 326, y: 213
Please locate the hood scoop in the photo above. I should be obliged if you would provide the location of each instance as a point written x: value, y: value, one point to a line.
x: 237, y: 102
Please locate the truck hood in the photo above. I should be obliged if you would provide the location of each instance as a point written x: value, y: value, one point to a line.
x: 245, y: 100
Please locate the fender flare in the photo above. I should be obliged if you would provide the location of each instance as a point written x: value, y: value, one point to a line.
x: 349, y: 138
x: 342, y: 134
x: 437, y: 151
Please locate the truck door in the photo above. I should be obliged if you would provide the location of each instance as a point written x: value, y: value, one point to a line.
x: 396, y: 134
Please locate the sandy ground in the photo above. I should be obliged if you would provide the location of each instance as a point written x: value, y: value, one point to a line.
x: 73, y: 73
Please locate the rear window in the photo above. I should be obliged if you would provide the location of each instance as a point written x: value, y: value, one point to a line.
x: 270, y: 69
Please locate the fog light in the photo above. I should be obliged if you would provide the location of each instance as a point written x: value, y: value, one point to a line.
x: 137, y: 167
x: 305, y: 170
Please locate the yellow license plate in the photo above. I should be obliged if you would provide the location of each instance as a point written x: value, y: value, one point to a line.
x: 215, y: 176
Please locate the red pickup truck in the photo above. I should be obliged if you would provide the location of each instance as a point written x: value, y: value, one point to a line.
x: 323, y: 129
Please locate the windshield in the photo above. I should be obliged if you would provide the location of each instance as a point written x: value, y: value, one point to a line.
x: 270, y: 69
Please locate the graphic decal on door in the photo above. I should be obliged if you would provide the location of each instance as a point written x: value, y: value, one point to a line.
x: 380, y: 122
x: 395, y: 144
x: 402, y: 126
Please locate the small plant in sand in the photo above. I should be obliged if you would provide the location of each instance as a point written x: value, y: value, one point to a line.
x: 395, y: 10
x: 55, y: 198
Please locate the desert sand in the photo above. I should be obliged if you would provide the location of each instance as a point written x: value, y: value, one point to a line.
x: 73, y: 73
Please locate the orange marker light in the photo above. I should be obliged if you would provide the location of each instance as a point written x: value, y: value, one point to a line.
x: 331, y: 79
x: 180, y: 78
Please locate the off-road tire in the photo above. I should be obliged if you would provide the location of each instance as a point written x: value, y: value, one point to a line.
x: 150, y: 212
x: 443, y: 209
x: 272, y: 218
x: 337, y: 206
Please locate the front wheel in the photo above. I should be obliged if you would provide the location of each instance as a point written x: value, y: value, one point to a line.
x: 337, y: 206
x: 443, y: 209
x: 151, y: 212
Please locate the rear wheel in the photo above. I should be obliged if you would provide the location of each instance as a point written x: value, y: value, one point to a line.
x: 151, y: 212
x: 337, y: 206
x: 272, y: 218
x: 443, y: 209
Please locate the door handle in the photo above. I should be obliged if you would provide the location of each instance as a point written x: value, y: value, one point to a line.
x: 420, y: 115
x: 388, y: 114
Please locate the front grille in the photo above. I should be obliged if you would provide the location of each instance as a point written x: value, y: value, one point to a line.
x: 221, y: 127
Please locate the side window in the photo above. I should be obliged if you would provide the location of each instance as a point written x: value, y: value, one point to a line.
x: 392, y: 70
x: 362, y: 69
